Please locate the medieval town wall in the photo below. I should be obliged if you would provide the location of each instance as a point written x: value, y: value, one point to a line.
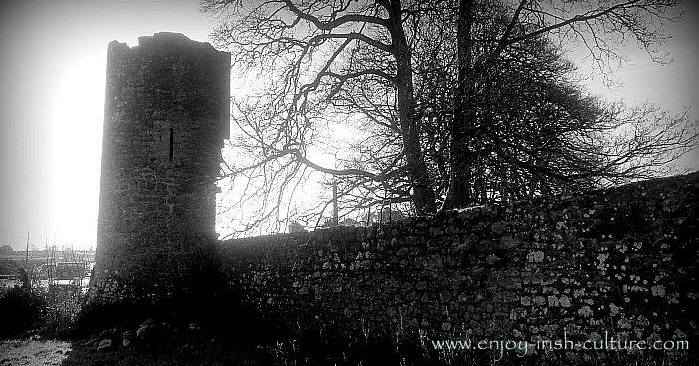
x: 621, y: 261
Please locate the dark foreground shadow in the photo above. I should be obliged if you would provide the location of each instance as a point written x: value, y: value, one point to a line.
x: 214, y: 354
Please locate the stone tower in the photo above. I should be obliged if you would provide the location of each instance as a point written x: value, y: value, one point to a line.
x: 166, y: 116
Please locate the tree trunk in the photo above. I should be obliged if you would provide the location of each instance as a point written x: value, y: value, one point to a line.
x: 462, y: 125
x: 423, y: 194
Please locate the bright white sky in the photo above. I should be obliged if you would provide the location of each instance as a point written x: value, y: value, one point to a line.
x: 52, y: 68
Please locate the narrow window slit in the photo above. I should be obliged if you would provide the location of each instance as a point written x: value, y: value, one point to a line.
x: 171, y: 143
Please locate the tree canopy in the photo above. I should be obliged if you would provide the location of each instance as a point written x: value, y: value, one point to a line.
x: 448, y: 103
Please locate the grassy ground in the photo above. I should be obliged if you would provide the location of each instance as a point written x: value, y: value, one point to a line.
x: 54, y: 352
x: 33, y: 352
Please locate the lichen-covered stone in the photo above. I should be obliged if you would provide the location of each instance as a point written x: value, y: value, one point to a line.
x: 610, y: 260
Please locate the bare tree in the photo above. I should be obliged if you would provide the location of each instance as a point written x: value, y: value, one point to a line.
x: 599, y: 25
x: 536, y: 132
x: 323, y: 44
x: 436, y: 89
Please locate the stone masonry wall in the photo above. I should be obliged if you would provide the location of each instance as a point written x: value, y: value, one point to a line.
x: 166, y: 116
x: 622, y: 260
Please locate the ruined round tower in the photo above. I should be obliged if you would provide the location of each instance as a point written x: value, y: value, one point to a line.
x: 166, y: 115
